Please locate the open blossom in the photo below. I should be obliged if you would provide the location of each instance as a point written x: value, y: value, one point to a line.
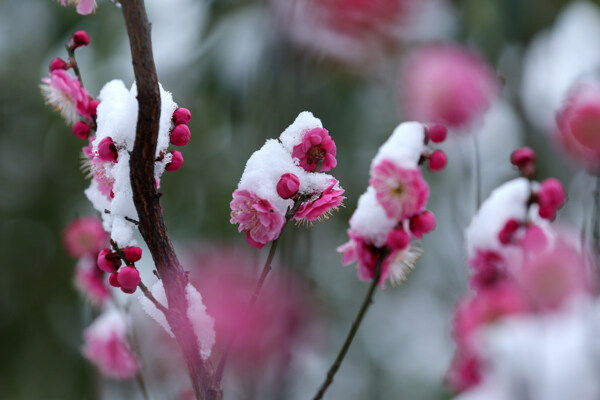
x: 84, y: 236
x: 316, y: 147
x: 105, y: 345
x: 330, y: 199
x: 402, y: 192
x: 257, y: 217
x: 446, y: 84
x: 84, y: 7
x: 65, y: 94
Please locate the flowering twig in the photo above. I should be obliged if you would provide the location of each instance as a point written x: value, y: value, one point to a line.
x: 368, y: 300
x: 145, y: 197
x: 73, y: 62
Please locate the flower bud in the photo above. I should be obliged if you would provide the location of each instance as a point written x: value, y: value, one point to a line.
x: 552, y: 193
x: 81, y: 130
x: 288, y: 186
x: 113, y: 281
x: 58, y: 63
x: 182, y: 116
x: 132, y: 253
x: 107, y: 150
x: 422, y: 223
x: 437, y: 160
x: 506, y: 234
x: 398, y: 239
x: 176, y: 161
x: 107, y: 261
x: 180, y: 136
x: 80, y: 38
x: 523, y: 156
x: 129, y: 277
x: 92, y: 107
x: 437, y: 133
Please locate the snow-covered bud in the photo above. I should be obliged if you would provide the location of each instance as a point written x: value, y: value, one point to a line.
x: 182, y: 116
x: 79, y: 38
x: 176, y: 161
x: 113, y: 281
x: 288, y: 186
x: 505, y: 235
x: 398, y: 239
x: 437, y: 160
x: 180, y: 136
x: 107, y: 150
x: 132, y: 253
x: 92, y: 107
x: 81, y: 130
x: 422, y: 223
x: 107, y: 261
x: 129, y: 278
x: 437, y: 133
x: 58, y: 63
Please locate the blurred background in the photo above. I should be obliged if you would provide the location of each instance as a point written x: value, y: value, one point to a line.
x: 246, y: 69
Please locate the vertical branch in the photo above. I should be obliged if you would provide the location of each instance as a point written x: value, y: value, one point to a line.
x: 145, y: 196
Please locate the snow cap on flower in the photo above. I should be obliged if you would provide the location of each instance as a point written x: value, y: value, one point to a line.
x: 106, y: 345
x: 65, y: 94
x: 404, y: 147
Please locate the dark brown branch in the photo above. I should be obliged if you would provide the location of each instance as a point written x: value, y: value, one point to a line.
x: 145, y: 197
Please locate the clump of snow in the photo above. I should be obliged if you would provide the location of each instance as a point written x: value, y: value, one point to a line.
x: 202, y: 322
x: 404, y: 147
x: 158, y: 291
x: 370, y: 220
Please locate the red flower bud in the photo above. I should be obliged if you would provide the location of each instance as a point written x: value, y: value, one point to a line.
x: 288, y: 186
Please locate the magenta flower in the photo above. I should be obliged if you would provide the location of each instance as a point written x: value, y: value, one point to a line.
x: 105, y: 345
x: 84, y: 7
x: 84, y: 236
x: 105, y: 183
x: 321, y: 208
x: 446, y: 84
x: 317, y: 146
x: 65, y: 94
x: 402, y: 192
x: 89, y: 279
x: 257, y: 217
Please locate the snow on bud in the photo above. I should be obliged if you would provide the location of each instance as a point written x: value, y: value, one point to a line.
x: 422, y: 223
x: 58, y: 63
x: 182, y: 116
x: 132, y: 253
x: 107, y: 151
x: 108, y: 261
x: 176, y: 161
x: 437, y: 161
x: 180, y: 136
x: 129, y: 278
x: 81, y: 130
x: 288, y: 186
x: 80, y: 38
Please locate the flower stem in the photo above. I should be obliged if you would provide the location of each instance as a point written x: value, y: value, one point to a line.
x: 73, y: 64
x: 368, y: 300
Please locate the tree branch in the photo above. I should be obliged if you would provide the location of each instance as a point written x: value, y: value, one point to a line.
x: 145, y: 197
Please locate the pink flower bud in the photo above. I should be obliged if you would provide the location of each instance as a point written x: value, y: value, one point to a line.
x: 58, y: 63
x: 113, y: 281
x: 552, y: 193
x: 182, y: 116
x: 437, y: 160
x: 547, y: 212
x: 535, y: 239
x: 129, y: 291
x: 437, y: 133
x: 180, y: 136
x: 176, y: 161
x: 81, y: 130
x: 107, y: 261
x: 523, y: 156
x: 107, y: 150
x: 129, y: 277
x: 132, y: 253
x: 422, y: 223
x: 288, y: 186
x: 92, y: 107
x: 398, y: 239
x: 80, y: 38
x: 505, y: 235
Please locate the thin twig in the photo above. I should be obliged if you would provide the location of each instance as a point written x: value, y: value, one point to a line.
x: 73, y: 63
x: 368, y: 300
x: 151, y: 297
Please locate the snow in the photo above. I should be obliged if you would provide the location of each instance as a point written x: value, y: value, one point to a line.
x: 404, y: 147
x: 202, y: 323
x: 369, y: 219
x: 293, y: 134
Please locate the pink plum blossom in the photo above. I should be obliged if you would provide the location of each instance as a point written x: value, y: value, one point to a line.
x: 488, y: 269
x: 329, y: 200
x: 84, y: 7
x: 317, y: 146
x: 446, y: 84
x: 257, y: 217
x: 65, y: 94
x: 105, y: 183
x: 89, y: 279
x: 105, y: 345
x: 84, y: 236
x: 402, y: 192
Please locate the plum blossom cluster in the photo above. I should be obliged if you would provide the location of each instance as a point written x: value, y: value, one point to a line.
x: 521, y: 265
x: 392, y: 210
x: 286, y: 176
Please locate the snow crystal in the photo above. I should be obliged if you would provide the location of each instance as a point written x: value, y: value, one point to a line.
x: 202, y: 322
x: 370, y: 220
x: 293, y: 134
x: 404, y: 147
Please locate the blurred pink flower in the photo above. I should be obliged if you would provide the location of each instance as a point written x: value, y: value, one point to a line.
x: 487, y: 269
x: 84, y: 236
x: 579, y: 126
x: 84, y: 7
x: 89, y: 279
x: 317, y: 146
x: 105, y: 345
x: 446, y: 84
x: 105, y: 183
x: 65, y: 94
x: 258, y: 217
x: 402, y: 192
x: 322, y: 207
x: 464, y: 371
